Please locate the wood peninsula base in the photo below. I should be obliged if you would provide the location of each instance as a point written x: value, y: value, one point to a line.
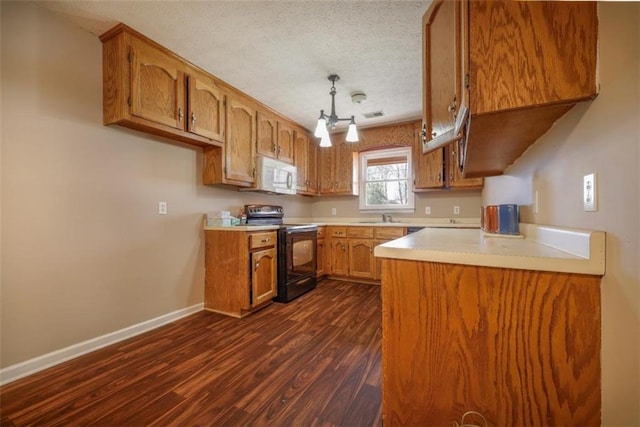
x: 520, y: 347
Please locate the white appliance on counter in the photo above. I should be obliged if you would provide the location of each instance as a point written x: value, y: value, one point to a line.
x: 275, y: 176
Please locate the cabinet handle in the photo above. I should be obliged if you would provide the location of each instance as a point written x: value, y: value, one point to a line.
x: 193, y: 118
x: 254, y: 172
x: 180, y: 115
x: 264, y: 240
x: 273, y: 147
x: 279, y: 150
x: 439, y: 177
x: 257, y: 265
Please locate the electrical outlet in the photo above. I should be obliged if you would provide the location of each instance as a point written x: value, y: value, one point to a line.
x: 162, y: 208
x: 334, y: 211
x: 456, y: 210
x: 590, y: 195
x: 427, y: 210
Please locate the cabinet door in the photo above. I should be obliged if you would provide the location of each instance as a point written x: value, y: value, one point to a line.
x: 455, y: 179
x: 285, y: 142
x: 206, y: 109
x: 263, y: 276
x: 440, y: 71
x: 240, y: 143
x: 345, y: 169
x: 339, y: 257
x: 429, y: 170
x: 361, y: 259
x: 321, y: 269
x: 157, y: 86
x: 267, y: 134
x: 312, y: 166
x: 301, y: 160
x: 325, y: 171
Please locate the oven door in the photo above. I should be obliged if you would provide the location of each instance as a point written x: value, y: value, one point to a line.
x: 300, y: 254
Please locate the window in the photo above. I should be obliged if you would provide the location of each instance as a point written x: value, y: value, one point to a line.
x: 384, y: 180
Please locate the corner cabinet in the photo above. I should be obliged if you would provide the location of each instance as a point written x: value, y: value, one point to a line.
x: 148, y: 88
x: 498, y: 74
x: 240, y: 271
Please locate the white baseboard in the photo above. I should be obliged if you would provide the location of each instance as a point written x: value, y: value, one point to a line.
x: 31, y: 366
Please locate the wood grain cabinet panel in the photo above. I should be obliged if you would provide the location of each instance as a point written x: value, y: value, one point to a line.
x: 362, y: 262
x: 240, y: 158
x: 264, y: 280
x: 520, y: 347
x: 157, y: 86
x: 303, y: 162
x: 339, y: 169
x: 285, y: 142
x: 206, y: 113
x: 321, y: 251
x: 339, y: 256
x: 267, y: 135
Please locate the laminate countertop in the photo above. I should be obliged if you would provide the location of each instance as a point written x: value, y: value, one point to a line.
x: 541, y: 248
x: 357, y: 222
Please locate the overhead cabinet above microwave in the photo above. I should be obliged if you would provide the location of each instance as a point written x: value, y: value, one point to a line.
x: 498, y: 74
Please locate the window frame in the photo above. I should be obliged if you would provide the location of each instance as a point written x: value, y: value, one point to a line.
x: 363, y: 157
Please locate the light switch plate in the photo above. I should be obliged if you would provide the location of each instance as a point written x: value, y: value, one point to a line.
x: 590, y: 195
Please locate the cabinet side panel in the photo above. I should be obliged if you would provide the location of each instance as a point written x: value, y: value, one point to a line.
x: 520, y: 347
x: 226, y: 271
x: 115, y: 72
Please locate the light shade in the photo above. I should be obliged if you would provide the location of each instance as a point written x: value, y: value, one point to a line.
x: 352, y: 133
x: 325, y: 139
x: 321, y: 127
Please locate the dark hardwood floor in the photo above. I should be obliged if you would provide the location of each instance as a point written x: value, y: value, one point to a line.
x: 312, y: 362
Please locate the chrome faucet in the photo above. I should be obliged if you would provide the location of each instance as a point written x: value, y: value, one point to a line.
x: 386, y: 218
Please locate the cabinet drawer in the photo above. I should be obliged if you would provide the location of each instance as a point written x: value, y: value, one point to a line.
x: 360, y: 232
x: 338, y: 231
x: 262, y: 240
x: 321, y: 232
x: 389, y: 232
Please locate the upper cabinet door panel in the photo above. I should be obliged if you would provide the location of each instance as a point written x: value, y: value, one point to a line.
x: 441, y: 73
x: 206, y: 109
x: 531, y: 53
x: 267, y: 143
x: 285, y: 142
x: 157, y: 86
x: 240, y: 143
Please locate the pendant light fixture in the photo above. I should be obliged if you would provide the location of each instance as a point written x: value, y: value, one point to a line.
x: 329, y: 121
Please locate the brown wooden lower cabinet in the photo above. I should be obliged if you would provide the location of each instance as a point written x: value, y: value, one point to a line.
x: 520, y: 347
x: 350, y: 252
x: 240, y: 271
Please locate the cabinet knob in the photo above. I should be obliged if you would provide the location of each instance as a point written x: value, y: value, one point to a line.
x: 264, y: 240
x: 193, y: 118
x: 273, y: 148
x: 180, y: 115
x: 434, y: 134
x: 257, y: 265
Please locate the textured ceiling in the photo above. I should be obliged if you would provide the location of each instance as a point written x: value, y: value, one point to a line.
x: 281, y: 52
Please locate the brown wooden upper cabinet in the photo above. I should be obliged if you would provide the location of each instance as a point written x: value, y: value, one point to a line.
x: 148, y: 88
x: 515, y: 67
x: 338, y: 170
x: 305, y: 158
x: 275, y: 138
x: 240, y: 154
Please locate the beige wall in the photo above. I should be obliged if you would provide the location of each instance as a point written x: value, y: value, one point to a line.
x: 84, y: 251
x: 603, y: 137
